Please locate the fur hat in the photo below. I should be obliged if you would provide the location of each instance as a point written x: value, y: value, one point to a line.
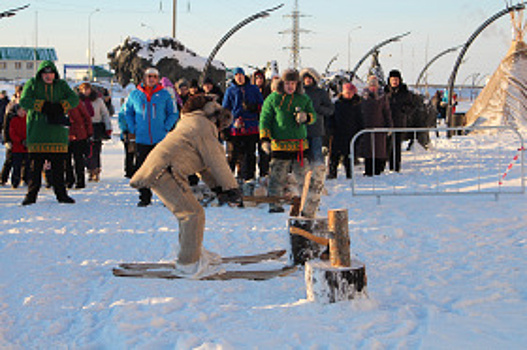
x: 213, y: 110
x: 373, y: 81
x: 218, y: 115
x: 290, y: 75
x: 394, y: 73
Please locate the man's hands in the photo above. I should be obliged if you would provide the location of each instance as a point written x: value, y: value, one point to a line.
x: 301, y: 117
x: 55, y: 113
x: 233, y: 197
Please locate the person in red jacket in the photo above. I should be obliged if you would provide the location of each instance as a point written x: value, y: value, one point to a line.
x: 17, y: 134
x: 81, y: 130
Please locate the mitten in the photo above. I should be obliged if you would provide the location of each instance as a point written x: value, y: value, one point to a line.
x: 266, y: 147
x: 233, y: 197
x: 46, y: 108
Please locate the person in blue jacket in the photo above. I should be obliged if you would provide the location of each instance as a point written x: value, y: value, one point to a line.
x: 150, y: 115
x: 244, y: 101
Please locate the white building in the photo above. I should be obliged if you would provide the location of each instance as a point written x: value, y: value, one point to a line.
x: 22, y: 62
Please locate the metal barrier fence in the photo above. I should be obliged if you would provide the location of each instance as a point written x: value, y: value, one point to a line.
x: 488, y: 161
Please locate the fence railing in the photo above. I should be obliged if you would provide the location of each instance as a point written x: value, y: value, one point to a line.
x: 488, y: 161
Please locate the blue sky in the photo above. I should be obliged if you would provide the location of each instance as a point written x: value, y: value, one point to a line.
x: 434, y: 26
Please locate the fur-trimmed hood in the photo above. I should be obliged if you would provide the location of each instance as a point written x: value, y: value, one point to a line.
x: 202, y: 105
x: 312, y: 73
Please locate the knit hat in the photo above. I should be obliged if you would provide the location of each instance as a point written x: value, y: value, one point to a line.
x: 349, y: 87
x: 194, y: 84
x: 238, y: 70
x: 182, y: 83
x: 395, y: 74
x: 152, y: 71
x: 290, y: 75
x: 259, y: 73
x: 165, y: 82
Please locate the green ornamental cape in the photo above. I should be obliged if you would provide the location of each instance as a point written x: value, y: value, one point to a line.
x: 43, y: 137
x: 278, y: 123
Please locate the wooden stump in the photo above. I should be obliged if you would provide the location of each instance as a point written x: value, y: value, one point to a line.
x: 302, y: 248
x: 327, y: 284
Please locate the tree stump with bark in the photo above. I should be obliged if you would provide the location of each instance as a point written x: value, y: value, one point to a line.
x: 340, y: 278
x: 327, y: 284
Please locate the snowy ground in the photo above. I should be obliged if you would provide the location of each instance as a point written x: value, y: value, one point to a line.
x: 444, y: 272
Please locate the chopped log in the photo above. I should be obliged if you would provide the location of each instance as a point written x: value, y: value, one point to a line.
x: 339, y: 243
x: 327, y: 284
x: 313, y: 187
x: 304, y: 249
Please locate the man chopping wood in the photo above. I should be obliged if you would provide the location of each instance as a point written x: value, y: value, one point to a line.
x: 192, y: 147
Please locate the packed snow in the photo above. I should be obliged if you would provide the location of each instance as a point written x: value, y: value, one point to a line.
x: 186, y: 58
x: 444, y: 272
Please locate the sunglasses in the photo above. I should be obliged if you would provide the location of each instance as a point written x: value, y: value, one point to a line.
x: 152, y: 76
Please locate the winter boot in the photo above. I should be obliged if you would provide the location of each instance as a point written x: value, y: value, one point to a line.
x: 66, y: 199
x: 332, y: 173
x: 97, y: 175
x: 29, y: 199
x: 347, y: 166
x: 91, y: 175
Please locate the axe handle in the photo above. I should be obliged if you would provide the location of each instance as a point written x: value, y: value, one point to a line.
x: 300, y: 232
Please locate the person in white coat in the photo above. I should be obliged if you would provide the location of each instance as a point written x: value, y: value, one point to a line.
x: 102, y: 128
x: 191, y: 148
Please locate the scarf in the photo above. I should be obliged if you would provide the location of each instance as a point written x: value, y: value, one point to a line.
x: 89, y: 105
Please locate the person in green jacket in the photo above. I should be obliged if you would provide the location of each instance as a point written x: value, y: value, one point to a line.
x: 283, y: 132
x: 47, y: 99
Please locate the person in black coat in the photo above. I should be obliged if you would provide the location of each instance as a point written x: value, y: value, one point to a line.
x: 401, y: 106
x: 6, y: 140
x: 4, y: 101
x: 342, y: 126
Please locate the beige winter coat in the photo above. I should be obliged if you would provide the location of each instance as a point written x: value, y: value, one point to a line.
x: 192, y: 147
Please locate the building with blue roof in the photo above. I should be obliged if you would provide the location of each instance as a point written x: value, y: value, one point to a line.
x: 22, y: 62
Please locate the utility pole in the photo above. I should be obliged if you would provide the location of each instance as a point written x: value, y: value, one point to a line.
x: 295, y: 37
x: 174, y: 11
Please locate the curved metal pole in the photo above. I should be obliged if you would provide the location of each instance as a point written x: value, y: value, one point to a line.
x: 330, y: 63
x: 375, y: 48
x: 234, y: 29
x: 459, y: 60
x: 438, y: 56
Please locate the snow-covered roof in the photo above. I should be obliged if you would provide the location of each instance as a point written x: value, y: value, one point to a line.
x: 27, y: 54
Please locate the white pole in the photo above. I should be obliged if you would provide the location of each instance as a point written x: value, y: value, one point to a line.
x: 90, y: 67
